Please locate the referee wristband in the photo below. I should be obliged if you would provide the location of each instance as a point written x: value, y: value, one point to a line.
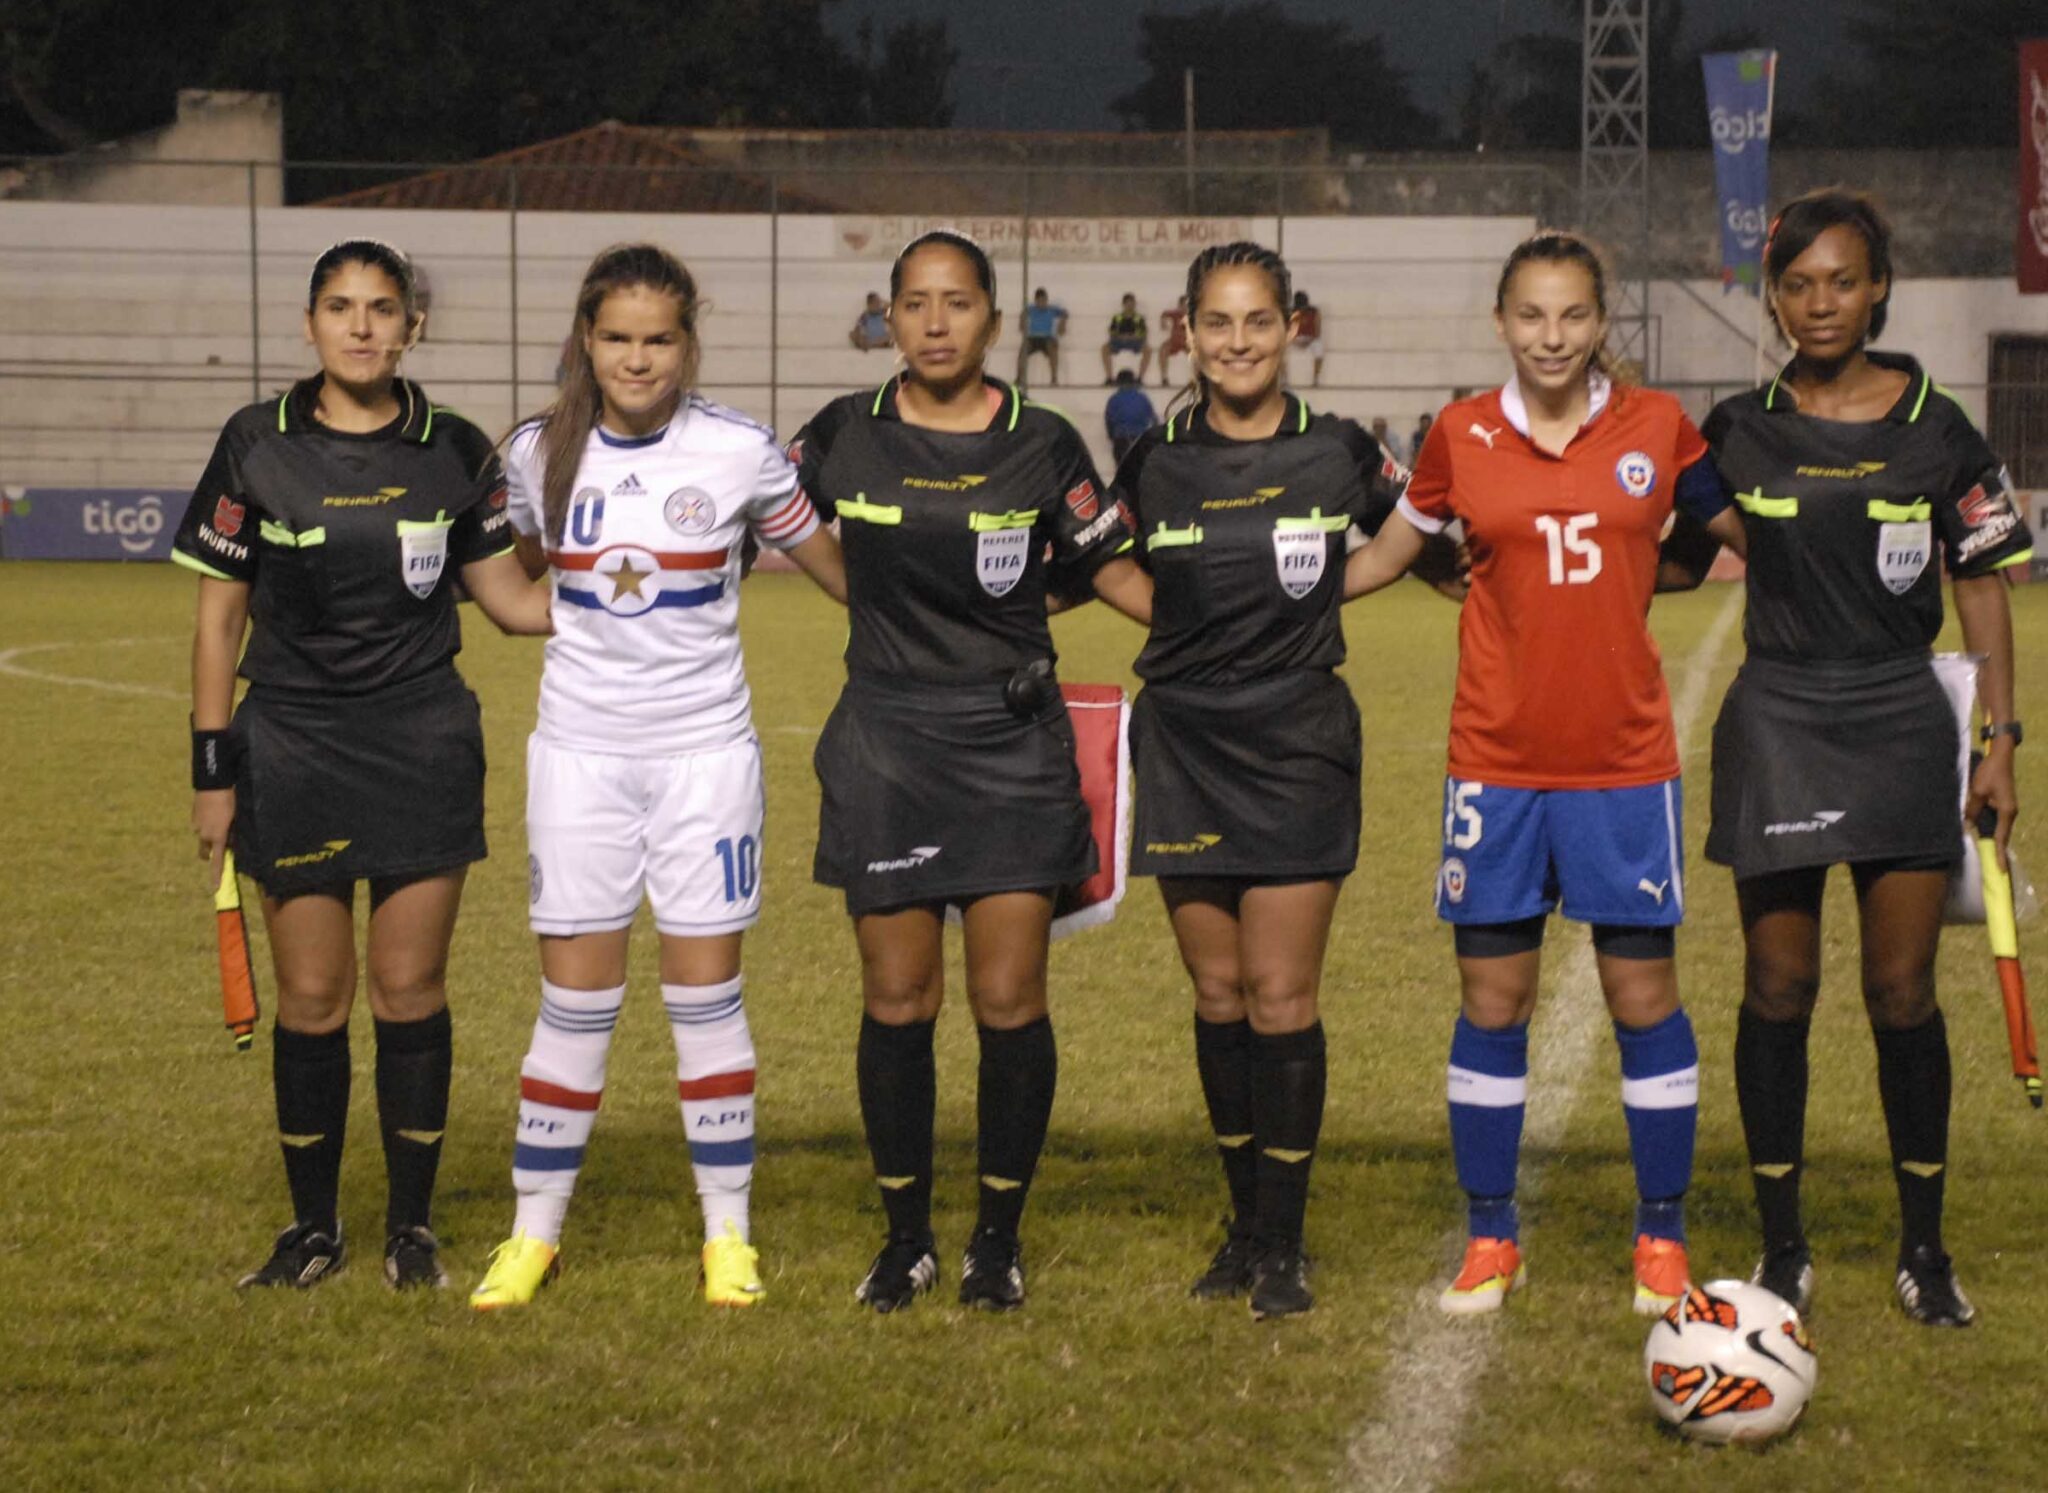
x: 213, y: 764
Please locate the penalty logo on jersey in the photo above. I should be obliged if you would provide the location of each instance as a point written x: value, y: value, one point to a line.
x: 1637, y: 474
x: 1000, y: 556
x: 690, y: 511
x: 1298, y: 554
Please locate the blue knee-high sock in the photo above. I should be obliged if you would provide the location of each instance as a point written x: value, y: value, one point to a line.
x: 1660, y: 1094
x: 1488, y: 1086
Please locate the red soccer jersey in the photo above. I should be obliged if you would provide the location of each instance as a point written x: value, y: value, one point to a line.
x: 1559, y: 681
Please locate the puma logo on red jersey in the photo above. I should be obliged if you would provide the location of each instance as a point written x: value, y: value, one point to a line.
x: 1485, y: 434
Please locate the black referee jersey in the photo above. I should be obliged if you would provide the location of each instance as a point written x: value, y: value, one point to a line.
x: 1843, y: 517
x: 1245, y: 541
x: 348, y: 541
x: 953, y: 538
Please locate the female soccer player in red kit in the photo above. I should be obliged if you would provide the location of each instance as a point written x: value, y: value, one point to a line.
x: 1563, y: 782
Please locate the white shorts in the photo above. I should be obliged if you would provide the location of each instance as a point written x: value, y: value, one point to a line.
x: 683, y: 830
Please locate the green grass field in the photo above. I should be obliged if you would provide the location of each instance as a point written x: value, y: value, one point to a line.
x: 141, y: 1174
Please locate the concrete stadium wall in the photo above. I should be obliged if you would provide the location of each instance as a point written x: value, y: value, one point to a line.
x: 126, y: 332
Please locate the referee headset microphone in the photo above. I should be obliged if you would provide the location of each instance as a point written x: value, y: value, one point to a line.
x: 389, y: 324
x: 1201, y: 268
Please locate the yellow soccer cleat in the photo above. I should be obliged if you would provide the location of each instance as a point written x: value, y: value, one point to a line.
x: 732, y: 1275
x: 519, y: 1268
x: 1492, y: 1269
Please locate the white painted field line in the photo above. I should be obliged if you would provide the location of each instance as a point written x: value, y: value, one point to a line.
x: 10, y: 667
x: 1437, y: 1363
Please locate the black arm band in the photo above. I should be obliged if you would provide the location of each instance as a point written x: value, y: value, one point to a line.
x: 213, y: 763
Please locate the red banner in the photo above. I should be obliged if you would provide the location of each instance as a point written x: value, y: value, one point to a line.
x: 2031, y: 250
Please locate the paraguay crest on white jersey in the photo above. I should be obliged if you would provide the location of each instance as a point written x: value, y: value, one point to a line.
x: 645, y: 655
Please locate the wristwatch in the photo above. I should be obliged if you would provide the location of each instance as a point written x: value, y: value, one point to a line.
x: 2003, y: 728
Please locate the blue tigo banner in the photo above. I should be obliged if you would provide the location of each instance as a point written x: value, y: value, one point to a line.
x: 88, y: 523
x: 1739, y: 89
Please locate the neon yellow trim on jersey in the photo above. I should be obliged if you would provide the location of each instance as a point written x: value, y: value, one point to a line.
x: 1899, y: 513
x: 1125, y: 546
x: 179, y: 557
x: 1763, y: 507
x: 310, y: 537
x: 1302, y: 424
x: 281, y: 401
x: 2019, y: 559
x: 278, y: 534
x: 871, y: 513
x: 440, y: 520
x: 428, y: 428
x: 1164, y: 538
x: 1016, y: 518
x: 881, y: 394
x: 1335, y: 524
x: 1050, y: 409
x: 1926, y: 383
x: 1017, y: 407
x: 1949, y: 394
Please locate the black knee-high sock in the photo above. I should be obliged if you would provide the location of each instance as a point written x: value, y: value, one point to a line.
x: 413, y: 1062
x: 1913, y: 1080
x: 311, y: 1075
x: 898, y: 1089
x: 1770, y: 1085
x: 1223, y: 1058
x: 1019, y: 1071
x: 1290, y: 1072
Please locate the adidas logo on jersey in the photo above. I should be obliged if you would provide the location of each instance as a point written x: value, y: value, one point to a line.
x: 917, y: 857
x: 630, y: 488
x: 1822, y: 819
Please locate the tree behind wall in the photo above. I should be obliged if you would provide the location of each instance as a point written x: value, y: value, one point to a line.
x: 1255, y: 68
x: 387, y: 80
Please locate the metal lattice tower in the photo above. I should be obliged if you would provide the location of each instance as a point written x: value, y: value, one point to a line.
x: 1614, y: 165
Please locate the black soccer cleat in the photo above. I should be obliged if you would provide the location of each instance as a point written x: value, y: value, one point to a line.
x: 1928, y: 1290
x: 412, y: 1258
x: 904, y: 1270
x: 1230, y: 1270
x: 1786, y: 1271
x: 303, y: 1256
x: 1280, y: 1282
x: 992, y: 1272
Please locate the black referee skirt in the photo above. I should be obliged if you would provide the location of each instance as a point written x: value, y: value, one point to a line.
x: 334, y: 789
x: 1256, y: 780
x: 938, y: 794
x: 1820, y: 763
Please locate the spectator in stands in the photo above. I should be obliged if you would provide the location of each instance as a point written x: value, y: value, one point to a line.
x: 1128, y: 414
x: 1174, y: 324
x: 1415, y: 441
x: 871, y: 327
x: 1044, y: 324
x: 1127, y: 334
x: 1381, y: 434
x: 1308, y: 336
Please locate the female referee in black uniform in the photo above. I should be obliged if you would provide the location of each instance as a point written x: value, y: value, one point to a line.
x: 947, y: 767
x: 1246, y: 742
x: 1836, y: 743
x: 330, y: 524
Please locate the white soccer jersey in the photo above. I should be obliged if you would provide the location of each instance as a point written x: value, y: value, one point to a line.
x: 646, y: 653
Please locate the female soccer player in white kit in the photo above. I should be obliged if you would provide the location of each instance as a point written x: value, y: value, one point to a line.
x: 644, y: 772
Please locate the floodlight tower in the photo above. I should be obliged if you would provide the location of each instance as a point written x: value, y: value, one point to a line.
x: 1614, y: 165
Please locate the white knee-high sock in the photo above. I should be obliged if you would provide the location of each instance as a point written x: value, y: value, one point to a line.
x: 560, y: 1085
x: 715, y: 1076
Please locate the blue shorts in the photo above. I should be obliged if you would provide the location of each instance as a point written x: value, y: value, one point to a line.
x: 1612, y: 855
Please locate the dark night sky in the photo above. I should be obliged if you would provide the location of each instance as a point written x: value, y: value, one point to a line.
x: 1068, y: 58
